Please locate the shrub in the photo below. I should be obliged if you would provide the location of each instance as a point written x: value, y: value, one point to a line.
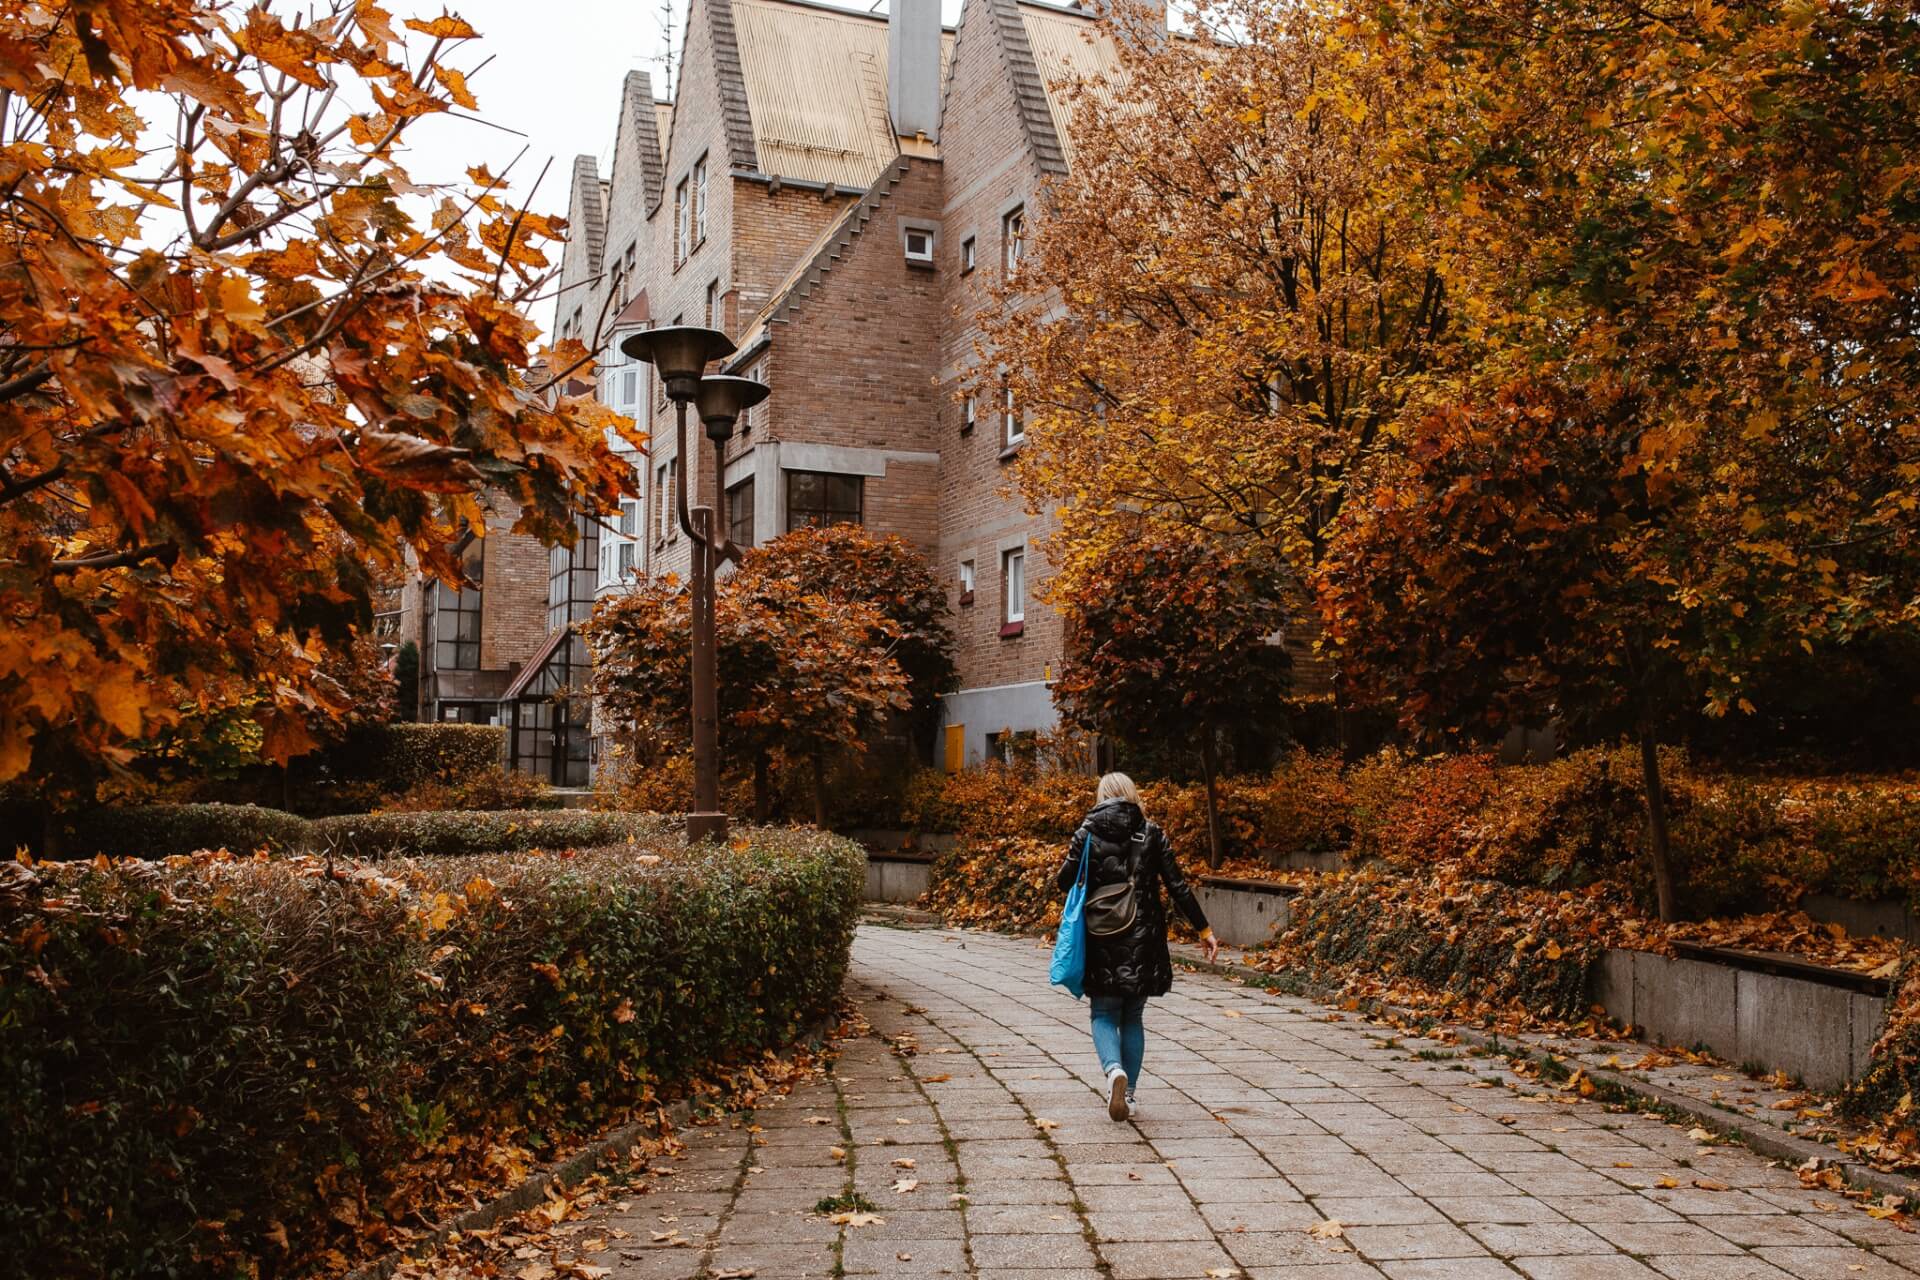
x: 1864, y: 834
x: 214, y: 1062
x: 162, y: 830
x: 1003, y: 882
x: 1303, y: 806
x: 399, y: 755
x: 489, y: 788
x: 468, y: 832
x: 1568, y: 823
x: 1413, y: 812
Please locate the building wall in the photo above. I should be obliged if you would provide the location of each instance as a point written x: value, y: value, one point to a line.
x: 513, y: 606
x: 990, y: 169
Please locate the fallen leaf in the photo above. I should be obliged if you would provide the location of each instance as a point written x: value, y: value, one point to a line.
x: 1327, y: 1229
x: 1711, y: 1184
x: 904, y: 1185
x: 904, y: 1162
x: 855, y: 1219
x: 1046, y: 1126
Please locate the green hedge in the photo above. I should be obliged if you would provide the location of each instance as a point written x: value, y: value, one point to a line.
x: 162, y: 830
x: 400, y: 755
x: 480, y: 831
x: 215, y: 1064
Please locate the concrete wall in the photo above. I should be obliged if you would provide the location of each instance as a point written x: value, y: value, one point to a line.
x: 990, y: 710
x: 1242, y: 917
x: 1887, y: 918
x: 897, y: 879
x: 1815, y: 1033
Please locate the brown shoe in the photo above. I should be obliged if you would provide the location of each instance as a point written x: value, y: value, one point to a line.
x: 1117, y: 1095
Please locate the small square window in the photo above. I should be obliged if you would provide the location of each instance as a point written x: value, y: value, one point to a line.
x: 966, y: 255
x: 969, y: 414
x: 919, y: 245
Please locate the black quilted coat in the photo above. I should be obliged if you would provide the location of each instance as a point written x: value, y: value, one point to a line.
x: 1134, y: 963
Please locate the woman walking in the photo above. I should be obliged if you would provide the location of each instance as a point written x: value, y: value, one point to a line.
x: 1128, y: 856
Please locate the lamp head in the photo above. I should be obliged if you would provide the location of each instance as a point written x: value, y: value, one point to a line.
x: 680, y: 352
x: 721, y: 400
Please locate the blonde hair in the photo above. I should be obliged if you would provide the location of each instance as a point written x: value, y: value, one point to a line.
x: 1117, y: 786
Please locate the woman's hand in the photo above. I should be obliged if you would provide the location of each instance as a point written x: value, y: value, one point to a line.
x: 1212, y: 944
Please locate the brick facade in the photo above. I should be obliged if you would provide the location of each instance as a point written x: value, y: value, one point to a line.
x: 810, y: 198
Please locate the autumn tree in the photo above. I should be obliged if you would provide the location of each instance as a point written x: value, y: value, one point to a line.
x: 247, y: 367
x: 801, y: 675
x: 1172, y: 640
x: 1235, y: 296
x: 1690, y: 441
x: 845, y: 562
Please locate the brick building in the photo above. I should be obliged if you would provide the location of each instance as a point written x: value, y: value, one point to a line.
x: 839, y: 192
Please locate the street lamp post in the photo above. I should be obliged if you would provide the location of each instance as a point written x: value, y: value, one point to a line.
x: 681, y: 354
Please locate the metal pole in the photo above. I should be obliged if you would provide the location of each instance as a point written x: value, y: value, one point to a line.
x: 706, y: 821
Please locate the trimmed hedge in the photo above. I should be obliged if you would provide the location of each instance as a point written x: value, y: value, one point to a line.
x: 163, y: 830
x: 470, y: 832
x: 218, y: 1065
x: 399, y: 755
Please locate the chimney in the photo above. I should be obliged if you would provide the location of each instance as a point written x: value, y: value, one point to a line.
x: 913, y: 67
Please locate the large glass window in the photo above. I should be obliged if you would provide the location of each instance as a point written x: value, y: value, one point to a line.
x: 456, y: 614
x: 570, y: 575
x: 740, y: 513
x: 821, y: 498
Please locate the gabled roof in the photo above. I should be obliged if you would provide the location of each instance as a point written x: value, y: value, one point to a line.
x: 1068, y: 47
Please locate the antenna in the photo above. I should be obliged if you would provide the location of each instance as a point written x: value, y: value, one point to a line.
x: 666, y: 39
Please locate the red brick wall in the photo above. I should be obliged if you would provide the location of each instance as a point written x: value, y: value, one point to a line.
x: 513, y: 606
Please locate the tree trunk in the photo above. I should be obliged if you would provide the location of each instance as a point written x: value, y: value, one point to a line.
x: 1658, y: 850
x: 819, y: 792
x: 761, y: 800
x: 1210, y: 768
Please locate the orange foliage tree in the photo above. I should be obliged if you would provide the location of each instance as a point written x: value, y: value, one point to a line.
x: 1236, y: 295
x: 800, y: 674
x: 241, y: 376
x: 1694, y: 241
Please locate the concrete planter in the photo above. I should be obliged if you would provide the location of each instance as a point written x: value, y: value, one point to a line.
x: 898, y: 877
x: 1244, y: 913
x: 1886, y: 918
x: 1816, y: 1032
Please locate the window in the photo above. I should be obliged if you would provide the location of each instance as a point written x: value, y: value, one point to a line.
x: 629, y: 518
x: 673, y: 499
x: 1014, y: 747
x: 629, y: 390
x: 571, y: 574
x: 966, y: 582
x: 1013, y: 240
x: 740, y: 513
x: 821, y: 498
x: 1013, y: 590
x: 626, y: 560
x: 682, y: 224
x: 966, y: 255
x: 1012, y: 429
x: 456, y: 620
x: 713, y: 305
x: 699, y: 202
x: 663, y: 515
x: 969, y: 414
x: 919, y: 245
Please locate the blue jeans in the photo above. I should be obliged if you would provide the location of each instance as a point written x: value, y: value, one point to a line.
x: 1119, y: 1035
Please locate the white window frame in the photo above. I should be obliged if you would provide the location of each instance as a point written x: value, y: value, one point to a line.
x: 700, y: 201
x: 966, y: 577
x: 1013, y: 430
x: 925, y: 256
x: 682, y: 224
x: 969, y: 251
x: 1013, y: 585
x: 1013, y: 239
x: 969, y: 413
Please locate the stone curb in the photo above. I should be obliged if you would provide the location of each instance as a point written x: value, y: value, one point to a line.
x: 1777, y: 1146
x: 561, y: 1173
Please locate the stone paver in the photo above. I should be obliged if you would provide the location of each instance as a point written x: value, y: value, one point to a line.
x: 972, y: 1125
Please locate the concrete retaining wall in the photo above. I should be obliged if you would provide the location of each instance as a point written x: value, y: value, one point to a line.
x: 1816, y: 1033
x: 1887, y: 918
x: 897, y: 879
x: 1243, y: 915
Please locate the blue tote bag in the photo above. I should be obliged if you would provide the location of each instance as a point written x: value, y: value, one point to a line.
x: 1070, y: 943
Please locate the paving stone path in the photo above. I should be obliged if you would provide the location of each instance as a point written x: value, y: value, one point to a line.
x: 986, y: 1151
